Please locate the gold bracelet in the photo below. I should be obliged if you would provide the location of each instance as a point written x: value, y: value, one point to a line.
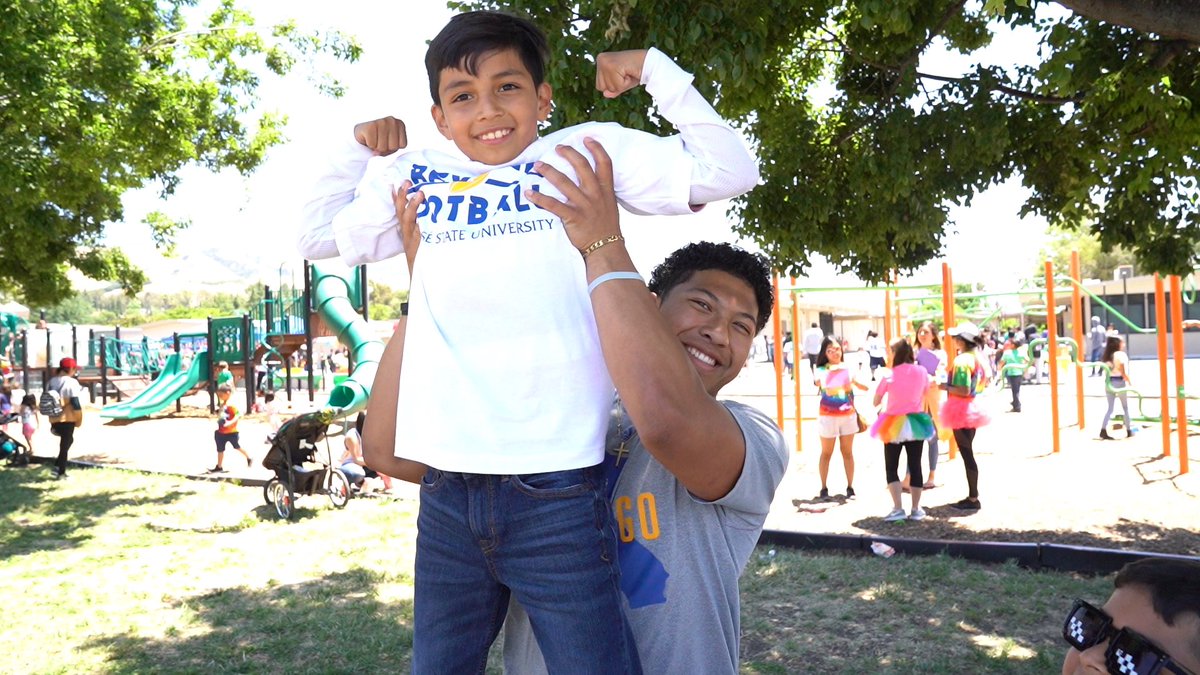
x: 600, y: 243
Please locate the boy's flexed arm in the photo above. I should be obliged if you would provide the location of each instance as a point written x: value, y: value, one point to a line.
x: 724, y: 166
x: 374, y: 237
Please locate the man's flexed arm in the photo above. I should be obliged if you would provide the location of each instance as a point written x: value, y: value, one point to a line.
x: 678, y: 421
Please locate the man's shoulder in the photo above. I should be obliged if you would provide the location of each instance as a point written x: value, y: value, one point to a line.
x: 762, y: 434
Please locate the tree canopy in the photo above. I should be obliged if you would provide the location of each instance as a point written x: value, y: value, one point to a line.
x: 864, y: 143
x: 99, y: 97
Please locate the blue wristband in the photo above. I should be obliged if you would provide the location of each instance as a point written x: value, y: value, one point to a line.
x: 610, y: 276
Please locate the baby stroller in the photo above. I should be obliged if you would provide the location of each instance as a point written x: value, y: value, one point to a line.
x: 293, y: 458
x: 14, y: 452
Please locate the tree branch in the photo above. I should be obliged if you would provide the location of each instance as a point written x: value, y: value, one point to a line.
x: 1175, y: 19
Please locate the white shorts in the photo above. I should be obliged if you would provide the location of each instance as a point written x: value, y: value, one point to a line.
x: 834, y: 426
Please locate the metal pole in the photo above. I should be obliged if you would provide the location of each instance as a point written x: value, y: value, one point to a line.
x: 1160, y: 322
x: 948, y: 321
x: 179, y: 360
x: 103, y: 371
x: 796, y: 363
x: 1052, y: 353
x: 309, y: 308
x: 247, y: 363
x: 1077, y: 312
x: 777, y: 327
x: 1181, y: 419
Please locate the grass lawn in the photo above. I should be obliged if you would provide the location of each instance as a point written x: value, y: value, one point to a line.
x: 114, y: 571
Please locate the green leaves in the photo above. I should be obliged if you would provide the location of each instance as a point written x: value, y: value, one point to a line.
x: 98, y: 97
x: 865, y: 140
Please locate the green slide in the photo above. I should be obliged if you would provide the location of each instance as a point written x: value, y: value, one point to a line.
x: 171, y: 384
x: 331, y: 295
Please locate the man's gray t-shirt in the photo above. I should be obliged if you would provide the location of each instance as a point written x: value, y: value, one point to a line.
x: 680, y: 556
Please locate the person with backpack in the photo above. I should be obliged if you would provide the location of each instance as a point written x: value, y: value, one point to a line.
x: 69, y: 415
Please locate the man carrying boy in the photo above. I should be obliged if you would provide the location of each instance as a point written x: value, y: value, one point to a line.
x: 690, y: 478
x: 227, y: 428
x: 507, y: 397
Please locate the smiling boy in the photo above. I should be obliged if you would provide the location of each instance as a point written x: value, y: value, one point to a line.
x: 505, y: 393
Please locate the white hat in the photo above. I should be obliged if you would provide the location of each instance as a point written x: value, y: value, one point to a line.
x: 965, y: 330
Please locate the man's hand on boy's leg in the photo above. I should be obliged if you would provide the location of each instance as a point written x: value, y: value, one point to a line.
x: 618, y: 72
x: 407, y: 204
x: 589, y: 212
x: 384, y: 135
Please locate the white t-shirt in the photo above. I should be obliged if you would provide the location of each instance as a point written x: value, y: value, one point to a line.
x: 503, y: 372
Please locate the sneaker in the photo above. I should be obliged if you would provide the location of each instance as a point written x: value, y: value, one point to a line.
x: 216, y: 469
x: 849, y: 493
x: 917, y: 514
x: 60, y: 476
x: 1130, y: 432
x: 249, y: 463
x: 894, y: 516
x: 824, y: 493
x: 966, y: 505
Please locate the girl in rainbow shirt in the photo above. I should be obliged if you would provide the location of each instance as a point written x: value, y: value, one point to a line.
x: 903, y: 424
x: 961, y: 413
x: 837, y: 420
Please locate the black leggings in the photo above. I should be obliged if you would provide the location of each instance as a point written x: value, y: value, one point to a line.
x: 66, y: 436
x: 966, y: 440
x: 891, y: 461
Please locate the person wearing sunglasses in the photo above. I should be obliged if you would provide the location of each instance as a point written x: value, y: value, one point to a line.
x: 1149, y: 626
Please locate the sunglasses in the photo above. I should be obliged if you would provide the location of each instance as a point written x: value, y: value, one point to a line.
x: 1129, y: 653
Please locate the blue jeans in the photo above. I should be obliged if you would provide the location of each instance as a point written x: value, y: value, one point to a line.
x: 548, y: 539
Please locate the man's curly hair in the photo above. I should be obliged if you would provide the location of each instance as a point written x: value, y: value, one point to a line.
x: 749, y: 267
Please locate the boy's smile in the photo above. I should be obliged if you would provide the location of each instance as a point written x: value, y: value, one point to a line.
x: 493, y: 115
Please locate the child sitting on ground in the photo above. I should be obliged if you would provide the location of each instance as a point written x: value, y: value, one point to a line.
x: 521, y: 369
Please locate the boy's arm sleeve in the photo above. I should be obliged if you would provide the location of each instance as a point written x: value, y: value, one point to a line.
x: 723, y: 165
x: 350, y: 215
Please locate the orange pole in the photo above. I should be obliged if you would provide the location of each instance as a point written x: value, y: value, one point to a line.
x: 1160, y: 320
x: 1052, y: 351
x: 948, y: 321
x: 777, y: 326
x: 796, y: 363
x: 1180, y: 401
x: 887, y: 315
x: 1077, y: 312
x: 899, y: 332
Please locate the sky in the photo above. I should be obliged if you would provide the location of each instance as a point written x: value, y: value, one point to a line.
x: 255, y: 218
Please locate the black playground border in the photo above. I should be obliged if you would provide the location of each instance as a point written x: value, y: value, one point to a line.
x: 1060, y: 557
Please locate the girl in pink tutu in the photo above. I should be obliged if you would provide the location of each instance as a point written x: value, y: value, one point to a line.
x: 903, y: 424
x: 961, y: 413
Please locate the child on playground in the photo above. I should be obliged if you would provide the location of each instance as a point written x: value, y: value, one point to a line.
x: 228, y: 416
x: 30, y: 420
x: 837, y: 418
x: 521, y: 368
x: 961, y: 413
x: 1118, y: 383
x: 903, y: 425
x: 1013, y: 365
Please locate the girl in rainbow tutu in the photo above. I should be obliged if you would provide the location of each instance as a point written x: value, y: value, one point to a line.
x: 903, y: 424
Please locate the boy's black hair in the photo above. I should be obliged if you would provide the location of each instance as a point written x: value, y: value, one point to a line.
x: 471, y: 35
x: 1173, y: 585
x: 749, y: 267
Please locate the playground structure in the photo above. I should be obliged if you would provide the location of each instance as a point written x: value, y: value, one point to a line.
x: 1055, y: 345
x: 146, y: 377
x: 277, y: 327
